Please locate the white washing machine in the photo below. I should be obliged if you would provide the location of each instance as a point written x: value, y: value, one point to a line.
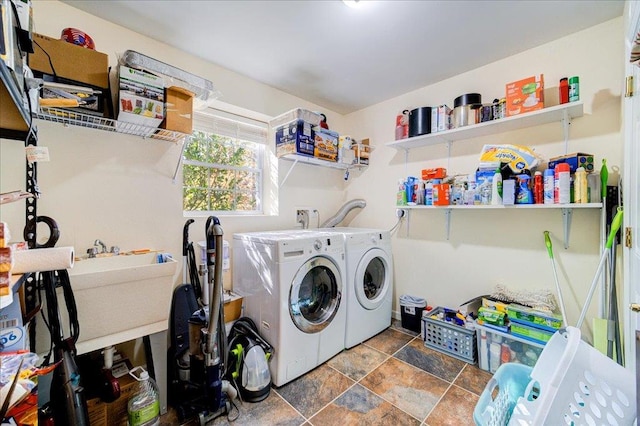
x: 292, y: 283
x: 369, y: 282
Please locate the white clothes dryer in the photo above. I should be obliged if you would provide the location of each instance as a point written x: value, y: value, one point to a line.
x: 369, y: 282
x: 292, y: 283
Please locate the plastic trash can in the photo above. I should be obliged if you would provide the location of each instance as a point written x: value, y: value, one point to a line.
x: 411, y: 308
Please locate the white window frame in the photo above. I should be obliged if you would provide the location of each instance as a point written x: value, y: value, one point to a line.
x: 268, y: 187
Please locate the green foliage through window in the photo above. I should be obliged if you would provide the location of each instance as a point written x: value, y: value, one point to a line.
x: 222, y: 174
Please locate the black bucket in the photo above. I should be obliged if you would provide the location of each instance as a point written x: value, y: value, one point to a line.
x: 419, y: 121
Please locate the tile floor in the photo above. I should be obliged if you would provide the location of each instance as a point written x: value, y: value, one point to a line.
x: 391, y: 379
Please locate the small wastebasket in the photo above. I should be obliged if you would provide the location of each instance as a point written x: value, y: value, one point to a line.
x: 411, y: 308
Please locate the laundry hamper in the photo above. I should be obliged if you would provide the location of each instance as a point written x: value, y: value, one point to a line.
x: 572, y: 384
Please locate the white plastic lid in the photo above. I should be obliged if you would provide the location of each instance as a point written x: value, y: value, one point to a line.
x: 144, y: 376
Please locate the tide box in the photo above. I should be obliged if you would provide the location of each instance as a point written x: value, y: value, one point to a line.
x: 141, y: 98
x: 295, y: 137
x: 525, y: 95
x: 69, y: 61
x: 574, y: 160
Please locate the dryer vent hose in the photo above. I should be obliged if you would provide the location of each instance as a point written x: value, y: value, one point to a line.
x: 342, y: 213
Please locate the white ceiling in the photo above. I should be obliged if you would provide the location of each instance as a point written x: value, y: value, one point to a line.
x: 345, y: 59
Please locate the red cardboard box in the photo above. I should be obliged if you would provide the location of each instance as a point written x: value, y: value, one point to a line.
x: 525, y: 95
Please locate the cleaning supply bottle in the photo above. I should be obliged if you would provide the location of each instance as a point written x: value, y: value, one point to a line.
x: 523, y: 193
x: 562, y: 188
x: 484, y: 351
x: 538, y: 188
x: 581, y: 186
x: 548, y: 186
x: 470, y: 193
x: 144, y: 406
x: 496, y: 188
x: 401, y: 199
x: 428, y: 193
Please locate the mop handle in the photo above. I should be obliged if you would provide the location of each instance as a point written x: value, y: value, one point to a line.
x: 615, y: 226
x: 547, y: 241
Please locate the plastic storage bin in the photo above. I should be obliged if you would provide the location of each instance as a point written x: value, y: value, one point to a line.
x: 510, y: 349
x: 295, y: 132
x: 411, y: 308
x: 449, y: 338
x: 572, y: 383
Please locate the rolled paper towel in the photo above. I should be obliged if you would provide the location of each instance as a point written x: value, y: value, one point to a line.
x: 42, y: 259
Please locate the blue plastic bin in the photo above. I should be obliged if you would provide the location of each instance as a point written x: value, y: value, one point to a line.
x: 499, y: 397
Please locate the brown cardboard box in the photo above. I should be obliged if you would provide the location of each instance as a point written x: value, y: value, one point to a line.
x: 233, y: 308
x: 179, y: 110
x: 70, y: 61
x: 112, y: 413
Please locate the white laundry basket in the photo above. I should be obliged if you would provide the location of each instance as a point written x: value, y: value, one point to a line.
x: 574, y: 384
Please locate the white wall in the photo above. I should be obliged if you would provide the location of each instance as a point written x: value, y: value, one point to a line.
x: 119, y: 188
x: 490, y: 247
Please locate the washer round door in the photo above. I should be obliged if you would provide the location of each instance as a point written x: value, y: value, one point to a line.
x: 315, y: 294
x: 373, y: 279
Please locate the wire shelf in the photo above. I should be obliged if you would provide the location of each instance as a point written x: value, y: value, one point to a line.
x: 73, y: 118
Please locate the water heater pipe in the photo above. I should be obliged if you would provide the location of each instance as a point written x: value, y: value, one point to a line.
x: 342, y: 213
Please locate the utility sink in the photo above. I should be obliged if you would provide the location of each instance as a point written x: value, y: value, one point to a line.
x: 120, y: 294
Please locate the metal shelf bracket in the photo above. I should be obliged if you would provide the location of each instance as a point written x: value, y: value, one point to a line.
x: 566, y: 223
x: 447, y: 222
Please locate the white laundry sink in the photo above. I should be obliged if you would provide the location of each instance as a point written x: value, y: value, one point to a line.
x: 126, y: 295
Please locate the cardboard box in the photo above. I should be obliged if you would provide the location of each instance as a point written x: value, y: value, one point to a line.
x: 112, y: 413
x: 525, y: 95
x: 574, y: 160
x: 362, y: 150
x: 69, y: 61
x: 141, y: 98
x: 325, y: 144
x: 441, y: 194
x: 444, y: 118
x: 295, y: 137
x: 13, y: 334
x: 179, y: 110
x: 232, y: 307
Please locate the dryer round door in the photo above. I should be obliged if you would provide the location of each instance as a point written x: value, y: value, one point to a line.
x: 373, y: 279
x: 315, y: 294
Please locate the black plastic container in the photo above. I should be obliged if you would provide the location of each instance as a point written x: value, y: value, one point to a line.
x: 419, y: 121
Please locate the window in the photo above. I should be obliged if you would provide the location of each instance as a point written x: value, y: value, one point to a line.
x: 224, y: 163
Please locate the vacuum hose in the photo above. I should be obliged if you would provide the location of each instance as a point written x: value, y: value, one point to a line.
x: 342, y: 213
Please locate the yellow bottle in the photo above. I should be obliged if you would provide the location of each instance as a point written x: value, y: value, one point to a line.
x: 581, y: 187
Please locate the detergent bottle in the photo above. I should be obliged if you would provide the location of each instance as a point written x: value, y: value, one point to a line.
x: 144, y: 407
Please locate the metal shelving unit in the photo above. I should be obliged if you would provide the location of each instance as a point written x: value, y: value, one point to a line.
x: 73, y: 118
x: 560, y: 113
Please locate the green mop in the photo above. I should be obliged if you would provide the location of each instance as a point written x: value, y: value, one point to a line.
x: 555, y: 277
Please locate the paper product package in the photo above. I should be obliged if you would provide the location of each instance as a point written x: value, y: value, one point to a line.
x: 516, y: 156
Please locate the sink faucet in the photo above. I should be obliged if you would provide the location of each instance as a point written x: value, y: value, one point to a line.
x: 101, y: 245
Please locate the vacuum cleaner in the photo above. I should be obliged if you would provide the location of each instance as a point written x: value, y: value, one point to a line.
x: 207, y: 394
x: 248, y: 360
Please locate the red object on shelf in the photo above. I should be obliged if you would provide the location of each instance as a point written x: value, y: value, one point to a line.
x: 564, y: 90
x: 538, y: 188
